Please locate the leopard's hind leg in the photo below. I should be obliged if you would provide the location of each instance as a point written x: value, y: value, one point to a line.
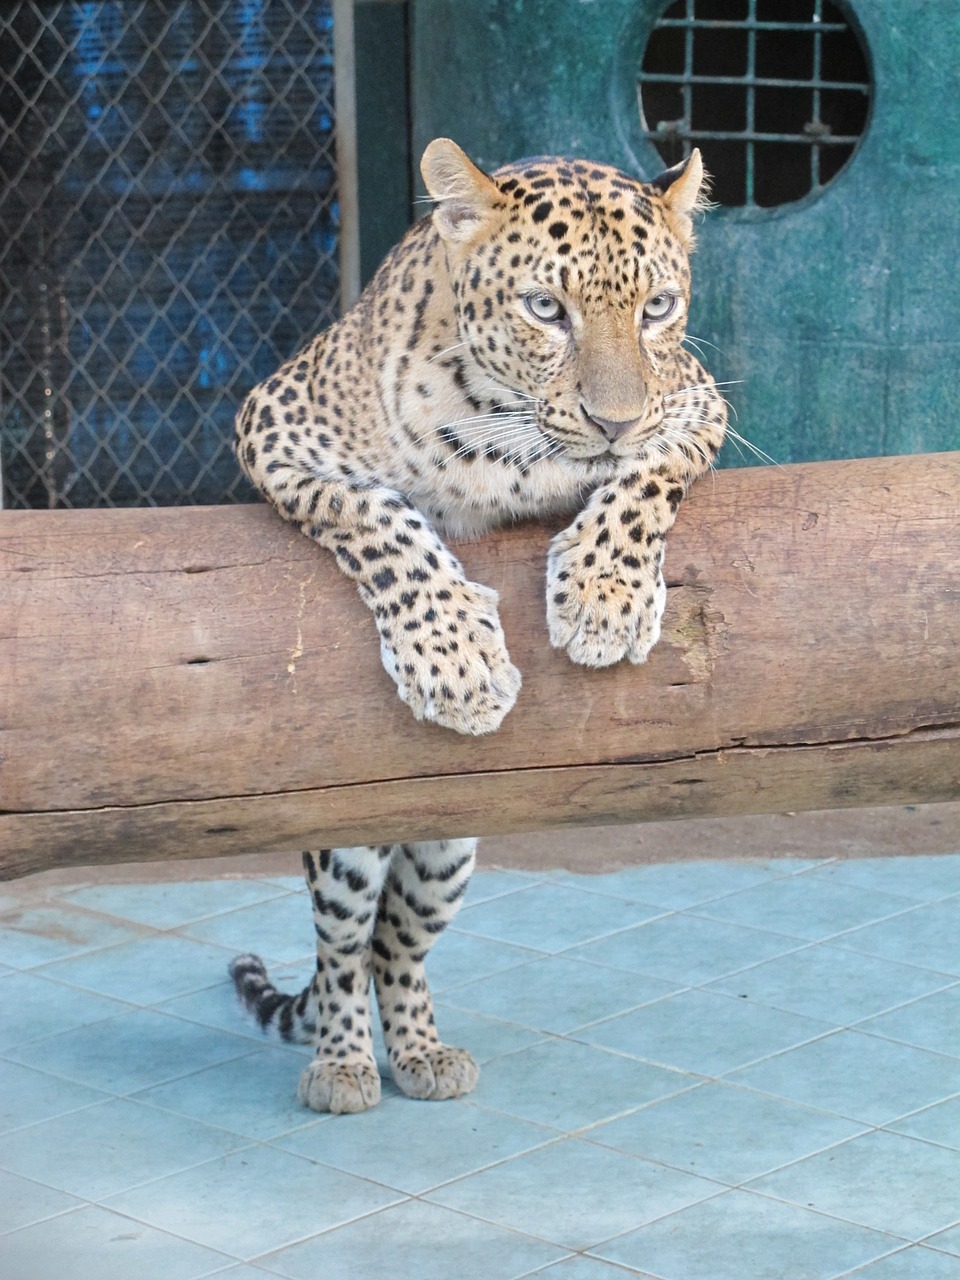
x: 334, y: 1010
x: 423, y: 892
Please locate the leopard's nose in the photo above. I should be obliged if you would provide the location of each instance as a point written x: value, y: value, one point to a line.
x: 611, y: 427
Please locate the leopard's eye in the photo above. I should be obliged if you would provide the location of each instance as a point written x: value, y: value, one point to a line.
x: 660, y: 306
x: 544, y: 308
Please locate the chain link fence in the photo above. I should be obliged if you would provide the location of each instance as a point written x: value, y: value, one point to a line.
x: 168, y: 235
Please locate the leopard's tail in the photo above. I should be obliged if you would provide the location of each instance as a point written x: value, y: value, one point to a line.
x: 292, y: 1017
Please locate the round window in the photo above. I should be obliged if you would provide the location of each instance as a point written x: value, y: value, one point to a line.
x: 776, y: 93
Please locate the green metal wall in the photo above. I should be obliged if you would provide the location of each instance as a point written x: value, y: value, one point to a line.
x: 840, y: 313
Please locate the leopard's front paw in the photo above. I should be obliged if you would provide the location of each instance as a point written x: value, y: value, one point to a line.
x: 600, y: 608
x: 448, y: 656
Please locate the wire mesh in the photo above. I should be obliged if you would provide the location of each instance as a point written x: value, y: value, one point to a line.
x: 776, y: 91
x: 168, y: 235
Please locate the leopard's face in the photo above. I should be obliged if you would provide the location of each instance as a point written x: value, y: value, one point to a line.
x: 574, y: 292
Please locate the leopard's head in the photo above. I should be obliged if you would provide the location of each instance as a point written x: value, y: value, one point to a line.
x: 571, y: 285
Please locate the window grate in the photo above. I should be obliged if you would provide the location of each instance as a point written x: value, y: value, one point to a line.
x: 777, y: 93
x: 168, y: 235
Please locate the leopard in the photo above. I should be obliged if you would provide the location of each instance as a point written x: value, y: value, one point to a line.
x: 519, y: 354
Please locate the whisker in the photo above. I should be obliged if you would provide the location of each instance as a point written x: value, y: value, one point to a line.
x: 518, y: 436
x: 696, y: 346
x: 676, y: 436
x: 736, y: 444
x: 672, y: 429
x: 480, y: 427
x: 510, y: 415
x: 754, y: 449
x: 736, y: 415
x: 698, y: 386
x: 699, y: 413
x: 655, y: 450
x: 456, y: 346
x: 699, y: 450
x: 553, y: 448
x: 500, y: 416
x: 432, y: 199
x: 523, y: 395
x: 489, y: 432
x: 521, y: 430
x: 691, y: 420
x: 517, y: 432
x: 692, y: 337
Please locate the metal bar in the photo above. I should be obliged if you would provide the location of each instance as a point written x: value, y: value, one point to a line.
x: 708, y: 24
x: 751, y: 103
x: 815, y: 120
x: 754, y: 135
x: 688, y: 76
x: 345, y: 93
x: 758, y: 82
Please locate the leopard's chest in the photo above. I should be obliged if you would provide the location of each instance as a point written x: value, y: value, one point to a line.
x: 465, y: 497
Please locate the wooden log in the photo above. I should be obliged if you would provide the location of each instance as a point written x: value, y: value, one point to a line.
x: 203, y: 681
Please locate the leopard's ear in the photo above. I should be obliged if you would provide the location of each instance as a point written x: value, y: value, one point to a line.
x: 684, y: 192
x: 464, y: 194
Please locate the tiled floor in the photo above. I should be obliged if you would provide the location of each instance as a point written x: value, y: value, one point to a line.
x: 697, y: 1071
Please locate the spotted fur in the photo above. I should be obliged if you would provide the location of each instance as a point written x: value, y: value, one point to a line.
x: 519, y: 353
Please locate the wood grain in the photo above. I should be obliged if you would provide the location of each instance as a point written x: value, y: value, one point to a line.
x: 200, y: 681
